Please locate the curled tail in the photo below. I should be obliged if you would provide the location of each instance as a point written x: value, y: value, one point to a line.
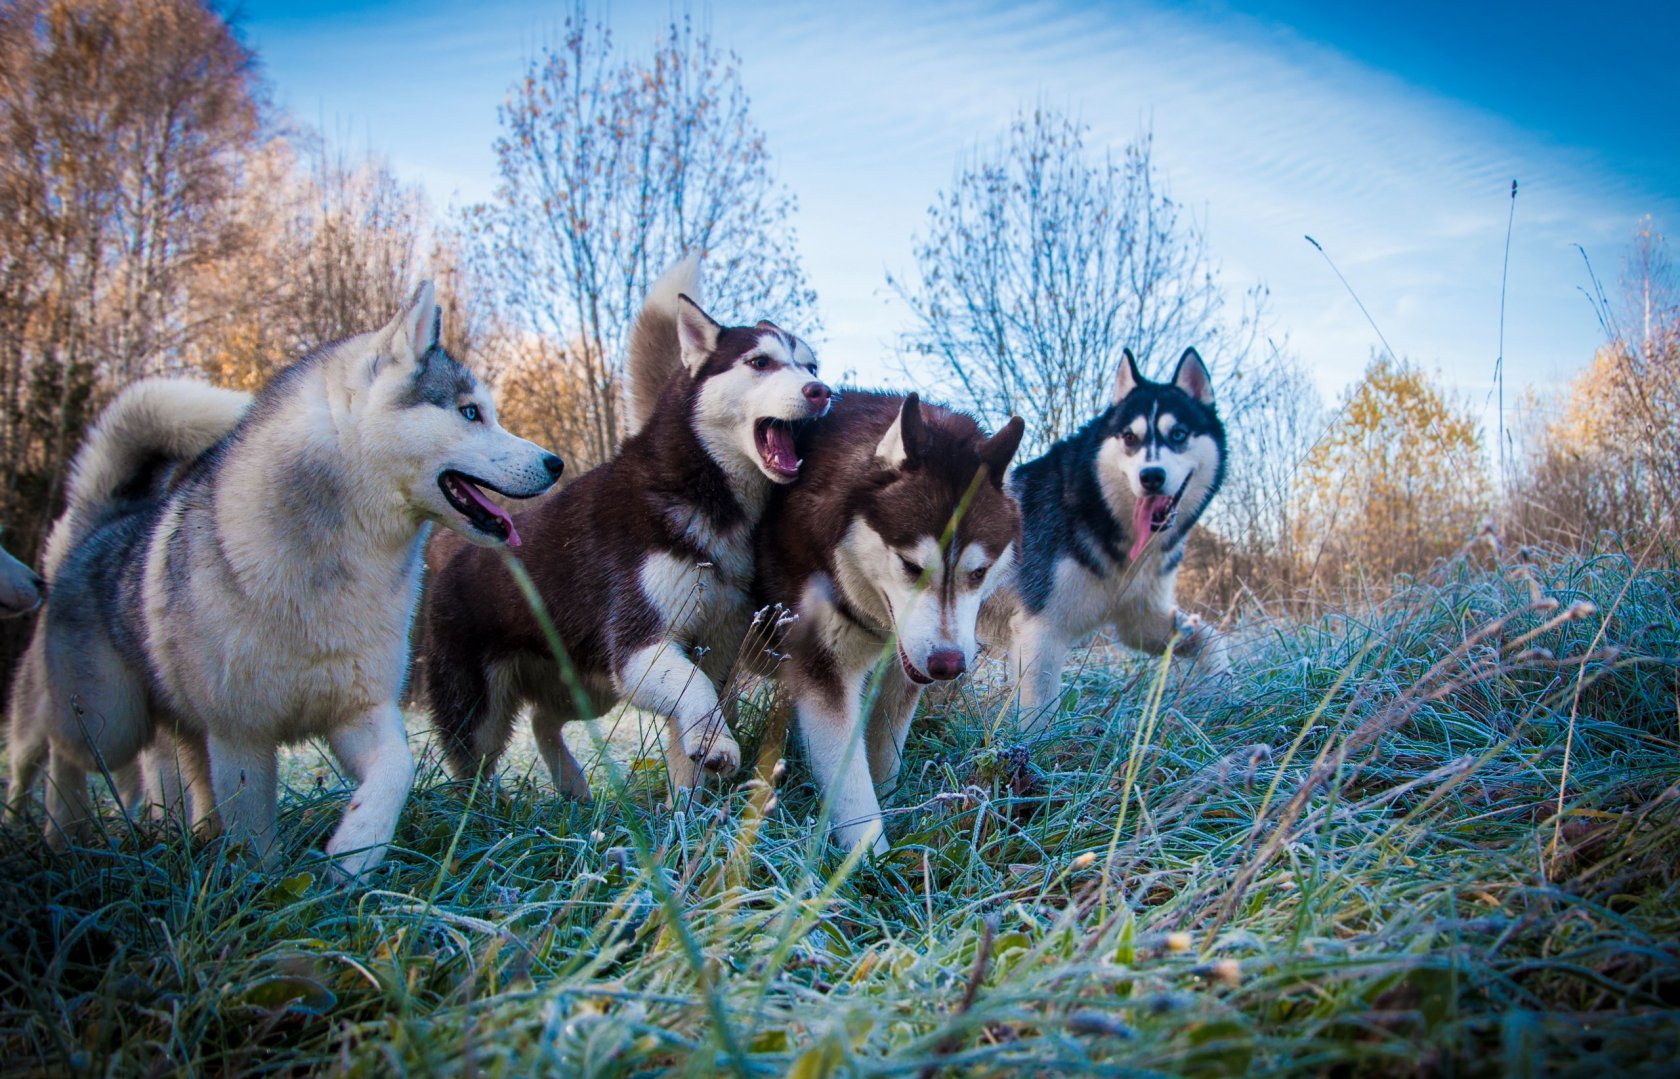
x: 154, y: 424
x: 655, y: 356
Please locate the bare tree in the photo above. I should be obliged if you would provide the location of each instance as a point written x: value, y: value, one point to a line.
x: 123, y: 129
x: 1273, y: 418
x: 611, y: 168
x: 1043, y: 262
x: 1605, y: 460
x: 329, y: 243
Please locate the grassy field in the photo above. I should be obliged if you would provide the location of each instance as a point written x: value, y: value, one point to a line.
x: 1437, y: 834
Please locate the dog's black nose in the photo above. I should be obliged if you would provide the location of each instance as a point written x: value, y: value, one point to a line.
x: 554, y: 465
x: 817, y: 394
x: 1152, y: 479
x: 946, y: 663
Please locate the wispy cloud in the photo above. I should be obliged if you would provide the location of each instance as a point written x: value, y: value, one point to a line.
x: 1264, y: 134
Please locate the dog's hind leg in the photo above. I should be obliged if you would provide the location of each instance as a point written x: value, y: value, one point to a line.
x: 243, y: 778
x: 374, y: 748
x: 473, y: 709
x: 547, y: 723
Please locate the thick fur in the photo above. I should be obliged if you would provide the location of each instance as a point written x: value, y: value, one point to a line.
x: 644, y: 564
x: 886, y: 549
x: 265, y: 596
x: 654, y: 360
x: 21, y: 588
x: 1077, y: 572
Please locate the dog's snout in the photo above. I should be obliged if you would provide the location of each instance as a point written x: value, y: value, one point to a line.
x: 1153, y: 479
x: 946, y: 663
x: 554, y: 465
x: 817, y: 394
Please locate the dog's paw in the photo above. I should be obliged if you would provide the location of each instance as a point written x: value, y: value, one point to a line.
x: 719, y: 757
x: 869, y: 832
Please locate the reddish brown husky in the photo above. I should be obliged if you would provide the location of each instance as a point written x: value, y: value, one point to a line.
x: 644, y: 564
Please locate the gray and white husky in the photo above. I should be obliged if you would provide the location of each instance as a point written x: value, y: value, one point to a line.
x: 1104, y: 516
x: 20, y: 586
x: 262, y: 594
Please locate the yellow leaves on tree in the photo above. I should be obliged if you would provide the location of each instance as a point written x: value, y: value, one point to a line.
x: 1398, y: 480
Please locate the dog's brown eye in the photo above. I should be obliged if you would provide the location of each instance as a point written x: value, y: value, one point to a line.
x: 977, y: 577
x: 759, y: 363
x: 913, y: 571
x: 1128, y: 438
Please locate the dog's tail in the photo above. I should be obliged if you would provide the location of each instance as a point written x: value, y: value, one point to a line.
x: 153, y: 425
x: 655, y: 355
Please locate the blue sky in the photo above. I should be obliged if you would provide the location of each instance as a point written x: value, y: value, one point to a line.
x: 1390, y: 133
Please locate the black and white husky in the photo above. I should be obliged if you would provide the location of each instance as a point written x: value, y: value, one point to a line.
x: 1104, y: 516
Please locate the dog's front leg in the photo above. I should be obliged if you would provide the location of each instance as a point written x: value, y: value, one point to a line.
x: 1039, y: 650
x: 374, y: 748
x: 830, y: 723
x: 661, y: 678
x: 1150, y: 621
x: 889, y: 723
x: 243, y: 778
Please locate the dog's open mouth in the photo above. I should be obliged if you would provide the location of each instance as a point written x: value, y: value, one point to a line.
x: 1153, y: 514
x: 910, y: 670
x: 774, y: 439
x: 463, y: 492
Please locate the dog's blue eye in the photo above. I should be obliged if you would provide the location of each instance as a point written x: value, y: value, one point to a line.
x: 470, y: 412
x: 1179, y: 434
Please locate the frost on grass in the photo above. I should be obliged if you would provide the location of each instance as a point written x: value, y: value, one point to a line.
x: 1436, y: 832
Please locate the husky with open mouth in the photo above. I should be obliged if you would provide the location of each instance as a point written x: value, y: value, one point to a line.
x: 240, y: 574
x: 886, y: 551
x: 1104, y: 515
x: 644, y: 564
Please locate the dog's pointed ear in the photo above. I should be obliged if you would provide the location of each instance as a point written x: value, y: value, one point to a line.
x: 1192, y: 377
x: 415, y: 331
x: 996, y: 452
x: 1128, y: 378
x: 901, y: 446
x: 697, y: 333
x: 404, y: 342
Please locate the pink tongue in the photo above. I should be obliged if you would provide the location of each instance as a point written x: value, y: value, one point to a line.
x: 778, y: 444
x: 1142, y: 511
x: 493, y: 510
